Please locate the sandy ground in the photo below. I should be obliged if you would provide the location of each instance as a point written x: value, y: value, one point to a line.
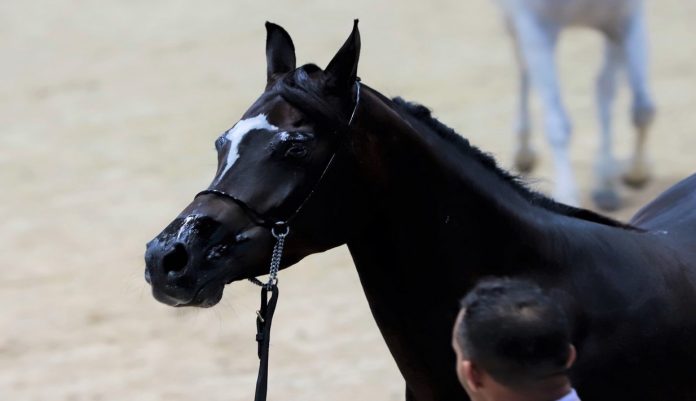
x: 108, y: 112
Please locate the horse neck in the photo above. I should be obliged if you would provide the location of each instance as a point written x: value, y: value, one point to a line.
x: 436, y: 212
x: 437, y: 221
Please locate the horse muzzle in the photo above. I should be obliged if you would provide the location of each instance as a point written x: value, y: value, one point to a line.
x: 189, y: 263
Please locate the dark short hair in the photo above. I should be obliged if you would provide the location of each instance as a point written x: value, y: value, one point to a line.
x: 514, y: 331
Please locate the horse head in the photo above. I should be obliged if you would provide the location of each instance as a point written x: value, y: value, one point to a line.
x: 282, y: 164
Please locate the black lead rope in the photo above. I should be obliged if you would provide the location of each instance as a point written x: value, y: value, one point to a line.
x: 264, y: 318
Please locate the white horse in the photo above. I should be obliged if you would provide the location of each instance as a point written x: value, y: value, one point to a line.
x: 535, y: 26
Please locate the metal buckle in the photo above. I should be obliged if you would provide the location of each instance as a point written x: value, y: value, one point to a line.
x: 283, y: 229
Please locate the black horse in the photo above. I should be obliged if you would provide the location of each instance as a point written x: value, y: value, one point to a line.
x: 425, y: 215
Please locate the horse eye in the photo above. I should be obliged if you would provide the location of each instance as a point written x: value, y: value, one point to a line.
x: 296, y: 151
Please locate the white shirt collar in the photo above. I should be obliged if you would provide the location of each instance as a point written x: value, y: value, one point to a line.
x: 572, y: 396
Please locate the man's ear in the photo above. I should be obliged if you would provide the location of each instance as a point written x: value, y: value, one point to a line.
x: 343, y: 68
x: 572, y: 354
x: 280, y: 51
x: 472, y: 375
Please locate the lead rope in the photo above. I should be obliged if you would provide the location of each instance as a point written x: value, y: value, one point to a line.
x: 264, y: 316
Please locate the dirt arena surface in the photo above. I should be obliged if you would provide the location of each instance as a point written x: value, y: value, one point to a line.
x: 108, y: 113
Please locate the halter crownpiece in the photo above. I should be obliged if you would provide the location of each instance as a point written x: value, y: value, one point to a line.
x: 357, y: 100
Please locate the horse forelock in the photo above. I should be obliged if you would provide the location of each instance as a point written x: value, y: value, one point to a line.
x: 308, y: 94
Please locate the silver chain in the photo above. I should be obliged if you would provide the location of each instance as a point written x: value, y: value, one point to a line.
x: 276, y: 257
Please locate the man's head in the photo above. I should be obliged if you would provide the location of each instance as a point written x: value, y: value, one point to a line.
x: 511, y: 337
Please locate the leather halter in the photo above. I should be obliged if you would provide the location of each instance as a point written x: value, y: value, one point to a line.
x: 280, y: 229
x: 282, y: 225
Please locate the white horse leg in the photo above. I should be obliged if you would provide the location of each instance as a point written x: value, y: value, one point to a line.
x: 538, y: 45
x: 525, y: 155
x: 643, y: 110
x: 605, y: 194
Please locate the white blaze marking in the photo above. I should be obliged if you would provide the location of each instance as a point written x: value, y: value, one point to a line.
x: 235, y: 135
x: 185, y: 226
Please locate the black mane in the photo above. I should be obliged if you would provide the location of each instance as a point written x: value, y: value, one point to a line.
x: 307, y: 95
x: 424, y: 115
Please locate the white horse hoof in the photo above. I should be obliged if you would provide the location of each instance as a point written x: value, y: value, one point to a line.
x: 637, y: 175
x: 606, y: 199
x: 525, y: 160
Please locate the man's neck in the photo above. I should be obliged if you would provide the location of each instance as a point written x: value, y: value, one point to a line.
x: 549, y: 390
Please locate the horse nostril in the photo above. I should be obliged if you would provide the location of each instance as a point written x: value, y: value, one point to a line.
x: 175, y: 260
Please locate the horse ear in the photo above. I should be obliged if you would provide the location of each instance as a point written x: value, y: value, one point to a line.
x: 343, y: 68
x: 280, y: 51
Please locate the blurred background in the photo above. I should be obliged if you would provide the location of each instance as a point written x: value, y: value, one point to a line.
x: 108, y: 113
